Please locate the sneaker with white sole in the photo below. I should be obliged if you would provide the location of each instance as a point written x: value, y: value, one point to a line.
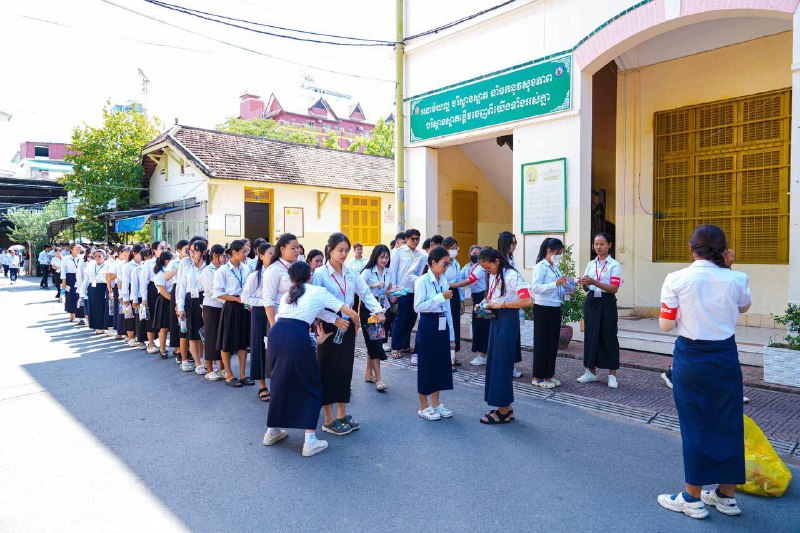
x: 272, y: 438
x: 187, y: 367
x: 223, y: 373
x: 543, y: 383
x: 587, y: 377
x: 555, y: 382
x: 315, y: 447
x: 516, y: 373
x: 200, y: 370
x: 443, y: 411
x: 677, y: 503
x: 478, y: 361
x: 723, y: 504
x: 612, y: 382
x: 213, y: 376
x: 387, y: 348
x: 141, y: 346
x: 429, y: 413
x: 152, y: 349
x: 667, y: 377
x: 414, y: 360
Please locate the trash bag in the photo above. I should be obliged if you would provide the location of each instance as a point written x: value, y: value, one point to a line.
x: 767, y: 475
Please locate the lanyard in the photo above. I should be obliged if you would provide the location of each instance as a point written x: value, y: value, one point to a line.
x: 283, y: 264
x: 553, y: 270
x: 376, y: 275
x: 605, y: 264
x: 97, y: 270
x: 239, y: 277
x: 496, y: 283
x: 344, y: 278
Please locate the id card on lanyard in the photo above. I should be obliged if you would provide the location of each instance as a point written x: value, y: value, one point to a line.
x: 598, y: 293
x: 442, y: 319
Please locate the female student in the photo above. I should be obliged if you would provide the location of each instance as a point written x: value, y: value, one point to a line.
x: 150, y: 294
x: 121, y: 270
x: 130, y: 294
x: 480, y: 326
x: 177, y: 338
x: 457, y: 282
x: 80, y: 276
x: 55, y: 267
x: 95, y: 289
x: 336, y: 360
x: 315, y: 259
x: 702, y: 303
x: 69, y: 270
x: 548, y: 294
x: 161, y: 311
x: 189, y: 304
x: 601, y: 281
x: 13, y: 266
x: 252, y: 297
x: 436, y: 334
x: 297, y: 389
x: 233, y: 335
x: 112, y: 311
x: 507, y: 294
x: 507, y: 245
x: 379, y: 280
x: 141, y: 290
x: 212, y: 311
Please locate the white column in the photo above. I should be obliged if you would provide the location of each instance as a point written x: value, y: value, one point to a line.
x: 794, y: 177
x: 422, y: 190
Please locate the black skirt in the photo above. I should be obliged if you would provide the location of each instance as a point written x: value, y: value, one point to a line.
x: 129, y: 324
x: 175, y: 334
x: 480, y: 326
x: 152, y: 299
x: 233, y: 333
x: 141, y: 325
x: 71, y: 297
x: 211, y: 316
x: 600, y: 343
x: 194, y: 316
x: 259, y: 326
x: 111, y: 317
x: 98, y: 308
x: 336, y: 365
x: 374, y: 347
x: 433, y: 351
x: 455, y: 311
x: 161, y: 313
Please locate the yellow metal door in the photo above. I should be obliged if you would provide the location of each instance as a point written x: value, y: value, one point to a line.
x: 465, y: 222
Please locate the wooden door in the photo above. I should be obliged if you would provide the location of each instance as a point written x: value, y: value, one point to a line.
x: 465, y: 222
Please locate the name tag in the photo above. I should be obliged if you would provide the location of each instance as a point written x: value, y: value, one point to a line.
x: 598, y: 293
x: 195, y: 293
x: 442, y: 323
x: 265, y: 342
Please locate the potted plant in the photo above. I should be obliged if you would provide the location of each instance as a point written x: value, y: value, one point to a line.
x: 572, y: 307
x: 782, y: 360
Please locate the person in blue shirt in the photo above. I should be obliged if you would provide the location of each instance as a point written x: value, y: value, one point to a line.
x: 476, y: 276
x: 548, y: 294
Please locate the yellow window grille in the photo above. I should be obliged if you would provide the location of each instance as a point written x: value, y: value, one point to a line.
x: 724, y: 163
x: 361, y: 219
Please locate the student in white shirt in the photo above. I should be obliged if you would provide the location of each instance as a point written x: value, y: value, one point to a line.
x: 177, y: 338
x: 212, y: 311
x: 702, y: 303
x: 252, y: 296
x: 457, y: 283
x: 55, y: 270
x: 477, y: 288
x: 44, y: 265
x: 189, y: 305
x: 142, y: 324
x: 13, y: 265
x: 376, y: 274
x: 70, y: 264
x: 149, y: 294
x: 296, y: 380
x: 129, y: 293
x: 548, y: 290
x: 161, y: 310
x: 357, y: 263
x: 95, y: 291
x: 5, y: 260
x: 601, y: 281
x: 405, y: 265
x: 115, y: 279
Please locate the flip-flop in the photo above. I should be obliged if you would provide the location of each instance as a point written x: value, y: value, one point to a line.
x: 263, y: 394
x: 396, y: 354
x: 233, y: 383
x: 247, y: 381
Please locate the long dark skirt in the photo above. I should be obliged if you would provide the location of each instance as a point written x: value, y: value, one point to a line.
x: 128, y: 324
x: 161, y: 313
x: 141, y: 326
x: 152, y: 298
x: 600, y: 343
x: 121, y: 320
x: 455, y: 310
x: 233, y: 333
x: 403, y: 323
x: 336, y: 365
x: 98, y: 308
x: 111, y: 318
x: 71, y: 297
x: 259, y: 326
x: 296, y: 395
x: 501, y: 353
x: 374, y: 347
x: 480, y: 326
x: 194, y: 316
x: 707, y: 387
x: 175, y: 334
x: 434, y: 372
x: 211, y: 316
x: 546, y: 331
x: 57, y: 281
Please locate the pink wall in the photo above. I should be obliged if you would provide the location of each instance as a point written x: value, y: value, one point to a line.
x: 27, y: 150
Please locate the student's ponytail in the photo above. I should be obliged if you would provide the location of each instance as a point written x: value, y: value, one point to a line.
x: 161, y: 260
x: 262, y: 249
x: 299, y: 275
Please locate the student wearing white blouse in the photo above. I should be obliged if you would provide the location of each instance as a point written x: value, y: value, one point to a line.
x: 95, y: 291
x: 161, y: 311
x: 212, y: 311
x: 252, y: 298
x: 189, y: 305
x: 547, y: 286
x: 233, y: 335
x: 376, y: 274
x: 69, y: 275
x: 178, y: 340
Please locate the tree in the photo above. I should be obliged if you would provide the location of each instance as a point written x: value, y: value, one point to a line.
x: 270, y: 129
x: 380, y: 143
x: 107, y: 165
x: 331, y: 141
x: 30, y: 223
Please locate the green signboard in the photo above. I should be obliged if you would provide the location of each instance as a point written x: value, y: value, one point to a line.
x: 526, y: 92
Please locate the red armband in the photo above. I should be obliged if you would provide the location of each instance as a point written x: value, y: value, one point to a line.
x: 524, y: 293
x: 472, y: 277
x: 616, y: 281
x: 668, y: 313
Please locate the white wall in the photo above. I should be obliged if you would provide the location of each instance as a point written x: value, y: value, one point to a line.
x: 172, y: 186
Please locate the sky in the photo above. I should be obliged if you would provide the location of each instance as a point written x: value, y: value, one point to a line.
x: 62, y: 60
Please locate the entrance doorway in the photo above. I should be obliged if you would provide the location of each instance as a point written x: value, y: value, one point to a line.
x: 604, y: 134
x: 258, y: 213
x: 465, y: 222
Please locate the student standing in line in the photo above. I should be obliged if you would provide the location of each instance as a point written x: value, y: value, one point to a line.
x: 456, y: 282
x: 357, y: 263
x: 141, y: 292
x: 477, y: 287
x: 601, y: 281
x: 297, y: 387
x: 150, y: 294
x: 55, y: 267
x: 13, y: 266
x: 378, y: 278
x: 69, y: 267
x: 252, y: 298
x: 301, y: 252
x: 5, y: 260
x: 212, y: 311
x: 702, y: 303
x: 507, y: 293
x: 80, y: 276
x: 177, y: 338
x: 161, y: 311
x: 336, y: 360
x: 189, y: 304
x: 548, y: 294
x: 116, y: 279
x: 129, y: 294
x: 44, y: 265
x: 233, y: 335
x: 436, y: 334
x: 94, y: 290
x: 315, y: 259
x: 404, y: 267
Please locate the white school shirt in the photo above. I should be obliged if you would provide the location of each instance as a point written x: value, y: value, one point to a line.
x: 315, y: 302
x: 159, y: 280
x: 113, y: 268
x: 44, y: 258
x: 145, y: 269
x: 5, y: 258
x: 229, y: 280
x: 14, y: 261
x: 94, y: 273
x: 707, y: 299
x: 406, y: 266
x: 357, y: 265
x: 543, y: 284
x: 122, y: 278
x: 133, y: 276
x: 207, y: 282
x: 453, y: 275
x: 187, y: 279
x: 476, y: 276
x: 275, y: 283
x: 55, y: 263
x: 251, y: 294
x: 608, y: 271
x: 346, y: 286
x: 515, y: 285
x: 428, y: 298
x: 371, y: 277
x: 69, y: 265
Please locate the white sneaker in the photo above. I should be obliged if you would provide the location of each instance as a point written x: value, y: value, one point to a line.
x: 111, y: 333
x: 517, y: 373
x: 724, y: 505
x: 381, y: 386
x: 152, y: 349
x: 675, y: 502
x: 223, y: 373
x: 141, y: 346
x: 187, y: 366
x: 270, y: 439
x: 429, y: 414
x: 543, y: 383
x: 587, y: 377
x: 132, y: 342
x: 612, y: 382
x: 478, y: 361
x: 555, y: 382
x: 443, y: 411
x: 213, y: 376
x: 200, y: 370
x: 387, y: 348
x: 315, y: 447
x: 414, y: 360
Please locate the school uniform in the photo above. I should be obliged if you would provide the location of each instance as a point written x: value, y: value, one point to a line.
x: 373, y: 277
x: 133, y: 276
x: 161, y: 311
x: 504, y: 347
x: 259, y: 325
x: 706, y: 375
x: 357, y: 265
x: 477, y: 288
x: 13, y: 267
x: 405, y: 266
x: 55, y: 267
x: 453, y: 275
x: 435, y: 331
x: 5, y: 260
x: 44, y: 265
x: 149, y: 293
x: 69, y: 268
x: 274, y: 284
x: 121, y: 270
x: 189, y: 298
x: 547, y: 298
x: 144, y: 294
x: 234, y: 324
x: 175, y: 333
x: 95, y: 291
x: 336, y: 360
x: 600, y: 343
x: 296, y: 394
x: 212, y: 312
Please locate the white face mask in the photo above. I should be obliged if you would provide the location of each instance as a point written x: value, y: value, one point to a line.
x: 556, y: 259
x: 453, y: 253
x: 301, y: 257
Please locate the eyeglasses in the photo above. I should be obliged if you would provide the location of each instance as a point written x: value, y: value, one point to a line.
x: 413, y: 238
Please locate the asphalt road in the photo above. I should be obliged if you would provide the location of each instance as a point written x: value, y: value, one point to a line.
x: 96, y: 436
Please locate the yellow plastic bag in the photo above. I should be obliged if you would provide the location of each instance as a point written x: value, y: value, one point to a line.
x: 767, y: 475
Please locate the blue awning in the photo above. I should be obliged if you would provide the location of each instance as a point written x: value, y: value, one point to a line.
x: 141, y: 216
x: 130, y: 224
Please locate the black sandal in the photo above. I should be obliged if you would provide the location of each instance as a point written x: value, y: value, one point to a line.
x: 164, y: 356
x: 247, y: 381
x: 263, y: 394
x: 509, y: 414
x: 233, y: 383
x: 501, y: 418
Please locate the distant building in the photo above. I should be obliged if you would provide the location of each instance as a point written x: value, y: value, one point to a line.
x: 42, y: 160
x: 130, y: 105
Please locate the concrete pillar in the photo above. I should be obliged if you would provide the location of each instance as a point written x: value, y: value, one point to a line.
x: 422, y: 190
x: 794, y: 177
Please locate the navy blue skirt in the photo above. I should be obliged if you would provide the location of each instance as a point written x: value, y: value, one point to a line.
x: 71, y: 297
x: 504, y: 345
x: 259, y: 326
x: 111, y: 318
x: 480, y: 326
x: 296, y: 395
x: 434, y: 372
x: 707, y: 387
x: 98, y: 308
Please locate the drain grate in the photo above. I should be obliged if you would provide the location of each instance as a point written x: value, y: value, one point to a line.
x: 797, y: 451
x: 783, y: 447
x: 634, y: 413
x: 669, y: 422
x: 464, y: 377
x: 527, y: 389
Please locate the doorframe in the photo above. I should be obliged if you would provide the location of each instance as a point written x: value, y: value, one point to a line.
x: 463, y: 248
x: 269, y: 200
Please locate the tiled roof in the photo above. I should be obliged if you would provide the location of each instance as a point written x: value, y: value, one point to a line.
x: 242, y: 157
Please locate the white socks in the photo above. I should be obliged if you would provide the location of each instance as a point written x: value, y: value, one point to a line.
x: 311, y: 438
x: 273, y: 431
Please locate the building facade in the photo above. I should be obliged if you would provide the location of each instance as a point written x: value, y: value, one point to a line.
x: 641, y: 118
x: 42, y: 160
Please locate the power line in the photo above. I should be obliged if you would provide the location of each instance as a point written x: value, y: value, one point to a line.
x: 457, y: 22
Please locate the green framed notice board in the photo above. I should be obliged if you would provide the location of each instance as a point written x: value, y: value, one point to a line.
x: 544, y: 196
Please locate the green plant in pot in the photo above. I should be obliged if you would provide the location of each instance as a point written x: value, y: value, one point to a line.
x: 792, y: 322
x: 572, y: 307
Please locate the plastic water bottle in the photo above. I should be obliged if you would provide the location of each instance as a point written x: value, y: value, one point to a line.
x: 111, y: 307
x: 313, y: 336
x: 184, y: 327
x: 340, y: 333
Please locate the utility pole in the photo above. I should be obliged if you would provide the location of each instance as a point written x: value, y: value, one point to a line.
x: 399, y: 122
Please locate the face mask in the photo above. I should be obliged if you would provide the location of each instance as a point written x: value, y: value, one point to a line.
x: 556, y: 259
x: 473, y: 259
x: 453, y: 253
x: 302, y: 258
